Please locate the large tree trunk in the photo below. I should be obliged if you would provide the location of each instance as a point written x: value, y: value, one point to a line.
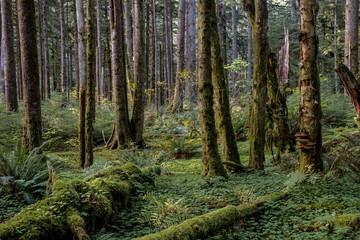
x: 258, y: 15
x: 351, y: 35
x: 63, y: 48
x: 191, y: 53
x: 310, y: 108
x: 211, y: 159
x: 30, y: 71
x: 82, y: 79
x: 46, y: 50
x: 122, y: 123
x: 90, y: 81
x: 222, y: 105
x: 9, y: 56
x: 178, y: 98
x: 137, y: 121
x: 234, y: 45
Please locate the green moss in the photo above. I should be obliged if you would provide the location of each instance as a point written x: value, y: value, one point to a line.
x: 350, y: 220
x: 153, y: 169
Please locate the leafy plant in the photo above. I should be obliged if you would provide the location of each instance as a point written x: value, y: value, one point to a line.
x: 183, y: 148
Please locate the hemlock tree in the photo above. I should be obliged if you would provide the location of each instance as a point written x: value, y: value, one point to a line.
x: 30, y: 71
x: 90, y: 81
x: 211, y: 159
x: 351, y: 35
x: 258, y: 14
x: 82, y: 79
x: 310, y: 108
x: 222, y: 104
x: 9, y: 56
x: 178, y: 98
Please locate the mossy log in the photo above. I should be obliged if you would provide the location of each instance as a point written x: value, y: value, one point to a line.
x: 77, y: 205
x: 203, y: 226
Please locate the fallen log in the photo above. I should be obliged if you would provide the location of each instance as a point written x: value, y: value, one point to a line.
x: 77, y: 206
x: 351, y: 85
x: 203, y: 226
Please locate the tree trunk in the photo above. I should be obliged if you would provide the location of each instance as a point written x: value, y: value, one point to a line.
x: 351, y: 35
x: 63, y: 48
x: 211, y: 159
x: 310, y: 108
x: 30, y: 71
x: 155, y: 58
x: 234, y: 45
x: 178, y: 98
x: 41, y: 51
x: 129, y: 41
x: 249, y: 53
x: 19, y: 71
x: 137, y: 121
x: 122, y: 123
x: 108, y: 56
x: 335, y: 47
x: 82, y: 79
x: 9, y: 56
x: 46, y: 51
x: 284, y: 63
x: 168, y: 52
x: 99, y: 70
x: 222, y: 104
x: 191, y: 53
x: 293, y: 11
x: 258, y: 15
x: 90, y: 81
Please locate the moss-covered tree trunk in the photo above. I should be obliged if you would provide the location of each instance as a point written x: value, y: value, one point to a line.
x: 9, y: 56
x: 310, y: 108
x: 122, y: 123
x: 258, y: 15
x: 82, y: 79
x: 137, y: 121
x: 30, y: 71
x: 211, y: 159
x: 90, y: 80
x: 178, y: 98
x: 278, y: 112
x: 222, y: 104
x: 351, y: 35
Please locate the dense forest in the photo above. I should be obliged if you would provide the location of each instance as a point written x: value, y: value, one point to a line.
x: 188, y: 119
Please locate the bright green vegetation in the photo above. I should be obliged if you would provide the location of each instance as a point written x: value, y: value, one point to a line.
x: 323, y: 206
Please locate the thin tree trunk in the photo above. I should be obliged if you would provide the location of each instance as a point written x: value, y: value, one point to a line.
x: 129, y: 40
x: 351, y: 35
x: 76, y: 53
x: 178, y: 98
x: 41, y: 56
x: 108, y: 56
x: 168, y: 54
x: 100, y: 73
x: 19, y: 72
x: 91, y: 80
x: 335, y: 47
x: 63, y: 49
x: 293, y: 11
x: 137, y: 121
x: 310, y: 108
x: 211, y: 159
x: 155, y: 59
x: 30, y: 71
x: 82, y: 79
x: 258, y: 15
x: 250, y: 52
x: 191, y: 52
x: 46, y: 51
x: 234, y: 46
x: 222, y: 104
x: 9, y: 56
x: 122, y: 124
x: 284, y: 63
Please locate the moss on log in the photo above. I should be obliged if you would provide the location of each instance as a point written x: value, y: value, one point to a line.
x: 203, y: 226
x: 77, y: 205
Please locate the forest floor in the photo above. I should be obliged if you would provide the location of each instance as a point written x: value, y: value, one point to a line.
x: 310, y: 211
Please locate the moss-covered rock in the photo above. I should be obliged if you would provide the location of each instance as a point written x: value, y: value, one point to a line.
x: 76, y: 205
x: 350, y: 220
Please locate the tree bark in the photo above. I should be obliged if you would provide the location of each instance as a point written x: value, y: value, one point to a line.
x: 335, y: 47
x: 137, y: 121
x: 90, y: 81
x: 168, y: 52
x: 19, y: 71
x: 63, y: 48
x: 41, y: 51
x: 191, y: 53
x: 284, y: 63
x: 46, y: 50
x: 258, y: 15
x: 211, y: 159
x: 231, y: 155
x: 310, y: 107
x: 351, y: 35
x: 129, y: 40
x: 250, y: 52
x: 155, y: 58
x: 30, y: 71
x: 9, y: 56
x: 234, y: 45
x: 108, y: 56
x: 122, y: 122
x: 99, y: 70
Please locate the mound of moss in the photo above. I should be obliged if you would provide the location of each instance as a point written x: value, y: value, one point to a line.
x: 76, y: 205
